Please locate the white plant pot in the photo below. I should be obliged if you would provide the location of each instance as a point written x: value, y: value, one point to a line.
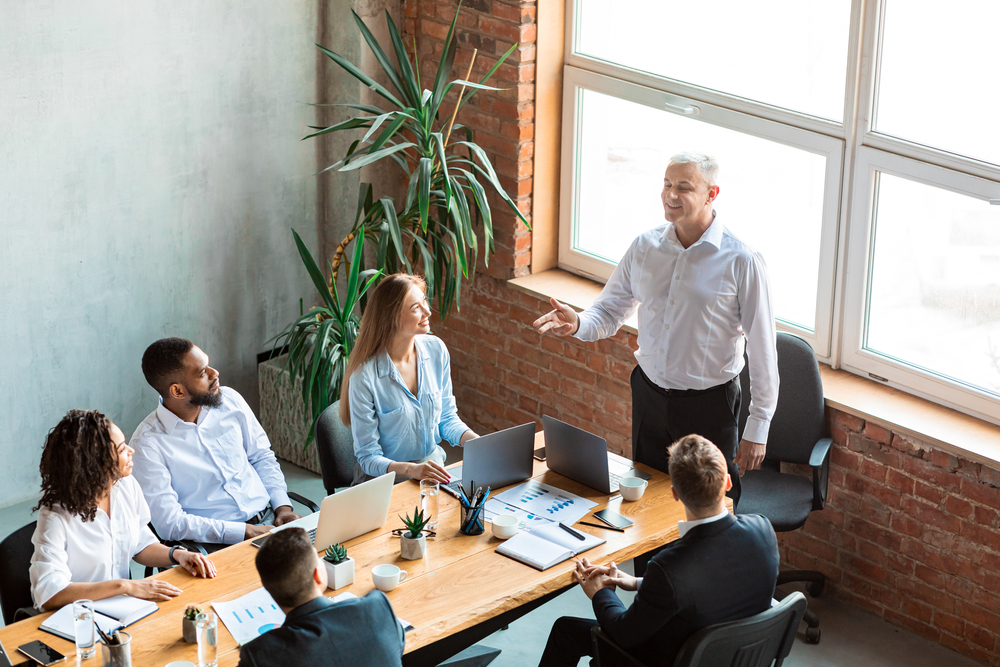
x: 341, y: 574
x: 413, y: 549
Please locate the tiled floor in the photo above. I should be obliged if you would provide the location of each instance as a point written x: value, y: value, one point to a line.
x: 850, y: 637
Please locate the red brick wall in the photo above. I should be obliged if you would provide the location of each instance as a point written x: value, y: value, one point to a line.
x: 909, y: 533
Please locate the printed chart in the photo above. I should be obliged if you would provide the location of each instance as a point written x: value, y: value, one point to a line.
x: 250, y: 616
x: 547, y: 502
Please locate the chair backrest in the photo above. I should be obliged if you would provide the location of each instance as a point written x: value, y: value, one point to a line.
x: 751, y: 642
x: 335, y: 446
x: 798, y: 420
x: 15, y: 583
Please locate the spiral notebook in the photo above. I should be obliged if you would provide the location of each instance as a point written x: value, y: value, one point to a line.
x: 109, y: 615
x: 547, y: 546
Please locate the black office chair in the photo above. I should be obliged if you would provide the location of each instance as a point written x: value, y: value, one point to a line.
x: 192, y: 545
x: 15, y: 584
x: 751, y: 642
x: 335, y: 446
x: 796, y: 436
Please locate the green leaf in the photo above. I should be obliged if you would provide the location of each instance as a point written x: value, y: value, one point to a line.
x: 445, y: 64
x: 496, y: 66
x: 388, y: 134
x: 353, y: 70
x: 406, y: 71
x: 375, y: 157
x: 352, y: 275
x: 315, y: 274
x: 383, y: 60
x: 349, y: 124
x: 491, y: 175
x: 388, y: 207
x: 424, y: 190
x: 378, y: 121
x: 483, y: 206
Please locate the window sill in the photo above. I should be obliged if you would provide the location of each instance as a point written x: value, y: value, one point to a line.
x: 951, y: 431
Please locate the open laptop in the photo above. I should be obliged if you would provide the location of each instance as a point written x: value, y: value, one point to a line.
x: 584, y: 457
x: 346, y: 514
x: 495, y: 460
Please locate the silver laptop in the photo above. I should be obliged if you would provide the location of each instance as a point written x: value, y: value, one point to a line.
x: 495, y: 460
x: 346, y: 514
x: 584, y: 457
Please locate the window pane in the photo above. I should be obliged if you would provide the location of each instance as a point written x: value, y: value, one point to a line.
x: 771, y: 195
x: 787, y: 53
x: 937, y: 75
x: 935, y: 285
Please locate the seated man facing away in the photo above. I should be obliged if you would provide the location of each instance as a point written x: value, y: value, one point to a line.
x: 202, y: 459
x: 318, y: 631
x: 723, y: 568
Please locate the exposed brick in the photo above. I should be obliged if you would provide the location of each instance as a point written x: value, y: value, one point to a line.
x: 958, y: 507
x: 847, y: 422
x: 877, y: 433
x: 981, y: 493
x: 930, y: 493
x: 926, y: 513
x: 932, y: 474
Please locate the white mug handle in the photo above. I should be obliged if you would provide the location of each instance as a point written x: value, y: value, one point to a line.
x: 402, y: 576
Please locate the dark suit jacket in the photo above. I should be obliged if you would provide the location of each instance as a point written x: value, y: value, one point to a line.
x: 351, y: 633
x: 719, y: 571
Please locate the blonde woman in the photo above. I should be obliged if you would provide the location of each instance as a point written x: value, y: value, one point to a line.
x: 397, y: 395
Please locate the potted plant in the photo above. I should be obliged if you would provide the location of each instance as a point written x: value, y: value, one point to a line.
x: 188, y: 625
x: 339, y: 566
x: 413, y: 542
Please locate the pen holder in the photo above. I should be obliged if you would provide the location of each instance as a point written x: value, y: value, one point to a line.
x: 472, y: 521
x: 117, y: 655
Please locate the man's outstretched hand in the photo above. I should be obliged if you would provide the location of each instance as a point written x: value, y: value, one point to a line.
x: 561, y: 320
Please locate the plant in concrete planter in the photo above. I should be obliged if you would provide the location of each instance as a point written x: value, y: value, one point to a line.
x: 413, y: 542
x: 339, y: 566
x: 188, y: 626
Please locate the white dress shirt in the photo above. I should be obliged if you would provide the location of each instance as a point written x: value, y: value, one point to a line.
x: 70, y: 550
x: 698, y: 307
x: 204, y: 480
x: 391, y: 424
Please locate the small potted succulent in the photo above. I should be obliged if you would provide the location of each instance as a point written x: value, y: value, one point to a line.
x: 413, y: 542
x: 339, y: 567
x: 188, y: 625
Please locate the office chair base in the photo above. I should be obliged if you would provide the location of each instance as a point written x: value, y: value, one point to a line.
x: 812, y: 635
x: 474, y: 656
x: 815, y: 581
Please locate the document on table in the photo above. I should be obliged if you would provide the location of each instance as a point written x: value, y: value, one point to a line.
x: 529, y: 519
x: 255, y: 613
x: 547, y: 502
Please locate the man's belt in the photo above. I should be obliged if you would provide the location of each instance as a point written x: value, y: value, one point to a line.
x: 259, y: 517
x: 684, y: 392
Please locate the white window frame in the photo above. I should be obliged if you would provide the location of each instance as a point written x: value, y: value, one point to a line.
x: 847, y: 209
x: 576, y: 80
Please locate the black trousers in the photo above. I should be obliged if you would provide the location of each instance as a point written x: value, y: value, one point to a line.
x: 661, y: 416
x: 569, y: 640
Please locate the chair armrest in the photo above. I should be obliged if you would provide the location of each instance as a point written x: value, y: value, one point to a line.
x: 819, y: 452
x: 605, y: 647
x: 25, y: 612
x: 302, y: 500
x: 819, y: 461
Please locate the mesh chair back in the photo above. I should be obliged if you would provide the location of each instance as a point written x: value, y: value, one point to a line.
x: 15, y: 559
x: 335, y: 446
x: 798, y: 420
x: 752, y: 642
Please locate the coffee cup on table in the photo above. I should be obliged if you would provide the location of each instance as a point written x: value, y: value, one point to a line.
x: 505, y: 526
x: 632, y: 488
x: 387, y: 576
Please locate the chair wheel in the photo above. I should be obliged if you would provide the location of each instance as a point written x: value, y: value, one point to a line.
x: 815, y: 589
x: 812, y: 635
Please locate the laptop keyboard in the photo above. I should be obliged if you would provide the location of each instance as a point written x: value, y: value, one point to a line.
x: 312, y: 535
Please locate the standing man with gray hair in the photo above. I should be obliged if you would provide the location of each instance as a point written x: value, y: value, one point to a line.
x: 702, y: 297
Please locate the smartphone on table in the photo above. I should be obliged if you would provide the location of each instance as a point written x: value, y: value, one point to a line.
x: 41, y: 653
x: 613, y: 519
x: 540, y: 454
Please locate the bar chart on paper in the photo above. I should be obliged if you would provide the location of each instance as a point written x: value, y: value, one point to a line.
x: 547, y: 502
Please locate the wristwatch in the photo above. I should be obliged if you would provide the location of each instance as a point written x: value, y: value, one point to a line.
x: 171, y: 553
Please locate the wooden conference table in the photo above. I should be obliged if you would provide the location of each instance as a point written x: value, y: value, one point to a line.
x: 460, y: 587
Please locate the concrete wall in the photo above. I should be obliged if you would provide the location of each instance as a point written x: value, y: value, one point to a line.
x: 150, y: 169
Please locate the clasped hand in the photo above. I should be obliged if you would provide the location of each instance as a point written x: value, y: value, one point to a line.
x: 593, y: 578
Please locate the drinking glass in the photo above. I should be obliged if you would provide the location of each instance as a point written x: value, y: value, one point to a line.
x: 429, y: 490
x: 208, y: 640
x: 83, y: 628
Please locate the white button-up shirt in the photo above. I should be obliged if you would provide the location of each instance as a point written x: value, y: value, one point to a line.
x: 204, y: 480
x: 69, y: 550
x: 698, y: 307
x: 391, y: 424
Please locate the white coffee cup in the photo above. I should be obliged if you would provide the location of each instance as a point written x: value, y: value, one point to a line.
x: 505, y: 526
x: 632, y: 488
x: 387, y: 576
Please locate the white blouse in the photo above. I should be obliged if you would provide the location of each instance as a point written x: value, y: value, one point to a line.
x: 69, y: 550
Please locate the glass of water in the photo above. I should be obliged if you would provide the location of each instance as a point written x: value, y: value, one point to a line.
x: 429, y: 490
x: 208, y: 640
x: 83, y: 627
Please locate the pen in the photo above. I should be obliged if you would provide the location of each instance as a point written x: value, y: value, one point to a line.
x: 601, y: 525
x: 572, y: 532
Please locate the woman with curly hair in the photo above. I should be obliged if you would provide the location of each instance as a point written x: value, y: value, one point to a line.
x: 93, y: 520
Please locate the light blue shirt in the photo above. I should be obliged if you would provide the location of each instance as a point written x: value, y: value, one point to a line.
x: 391, y: 424
x: 204, y: 480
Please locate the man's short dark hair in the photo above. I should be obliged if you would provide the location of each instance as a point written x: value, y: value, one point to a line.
x: 285, y: 563
x: 697, y: 471
x: 163, y: 361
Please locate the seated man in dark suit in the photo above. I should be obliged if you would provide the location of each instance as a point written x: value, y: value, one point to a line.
x: 318, y: 631
x: 722, y: 568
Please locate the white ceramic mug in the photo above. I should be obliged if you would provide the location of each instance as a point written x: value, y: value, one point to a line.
x: 505, y: 526
x: 632, y: 488
x: 387, y: 576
